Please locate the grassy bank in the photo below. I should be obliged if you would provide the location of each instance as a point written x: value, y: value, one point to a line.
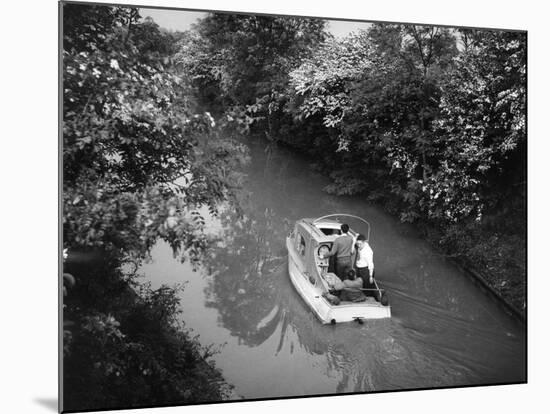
x: 491, y: 254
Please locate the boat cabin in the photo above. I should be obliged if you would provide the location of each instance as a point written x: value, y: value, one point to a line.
x: 311, y: 238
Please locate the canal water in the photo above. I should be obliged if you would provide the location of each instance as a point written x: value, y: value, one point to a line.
x: 444, y: 330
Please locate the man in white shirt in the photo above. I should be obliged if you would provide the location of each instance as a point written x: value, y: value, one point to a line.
x: 364, y: 262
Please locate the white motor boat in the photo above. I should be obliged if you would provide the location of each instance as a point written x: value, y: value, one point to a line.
x: 312, y: 277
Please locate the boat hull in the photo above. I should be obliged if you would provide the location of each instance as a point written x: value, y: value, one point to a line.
x: 323, y: 309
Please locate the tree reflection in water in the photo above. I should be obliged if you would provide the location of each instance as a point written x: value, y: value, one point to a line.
x: 422, y: 346
x: 242, y: 269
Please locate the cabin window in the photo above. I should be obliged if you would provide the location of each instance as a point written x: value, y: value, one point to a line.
x: 324, y: 262
x: 300, y: 244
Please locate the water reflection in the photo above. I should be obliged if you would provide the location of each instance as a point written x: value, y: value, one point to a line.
x: 444, y: 331
x: 242, y: 278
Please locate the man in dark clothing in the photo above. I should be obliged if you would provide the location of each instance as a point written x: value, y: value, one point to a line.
x: 342, y: 249
x: 351, y: 290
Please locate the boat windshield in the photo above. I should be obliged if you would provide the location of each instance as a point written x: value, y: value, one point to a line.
x: 329, y: 228
x: 330, y: 231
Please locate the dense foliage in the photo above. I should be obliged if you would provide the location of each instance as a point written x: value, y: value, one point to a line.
x: 125, y: 345
x: 428, y: 121
x: 138, y: 166
x: 240, y: 64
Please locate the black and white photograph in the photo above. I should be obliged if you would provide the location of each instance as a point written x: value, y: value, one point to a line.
x: 295, y: 206
x: 241, y: 207
x: 264, y: 206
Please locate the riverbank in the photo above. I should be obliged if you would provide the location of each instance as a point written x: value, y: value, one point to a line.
x: 129, y: 134
x: 125, y: 345
x: 494, y: 260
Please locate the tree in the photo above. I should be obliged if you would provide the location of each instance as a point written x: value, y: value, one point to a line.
x: 482, y: 125
x: 138, y: 166
x: 134, y: 155
x: 377, y: 94
x: 245, y: 61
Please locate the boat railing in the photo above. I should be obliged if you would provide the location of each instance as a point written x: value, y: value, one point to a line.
x: 345, y: 215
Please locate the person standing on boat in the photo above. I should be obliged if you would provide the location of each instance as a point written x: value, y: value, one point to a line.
x: 364, y: 264
x: 342, y: 248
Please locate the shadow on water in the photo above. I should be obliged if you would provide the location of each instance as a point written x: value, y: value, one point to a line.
x: 443, y: 332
